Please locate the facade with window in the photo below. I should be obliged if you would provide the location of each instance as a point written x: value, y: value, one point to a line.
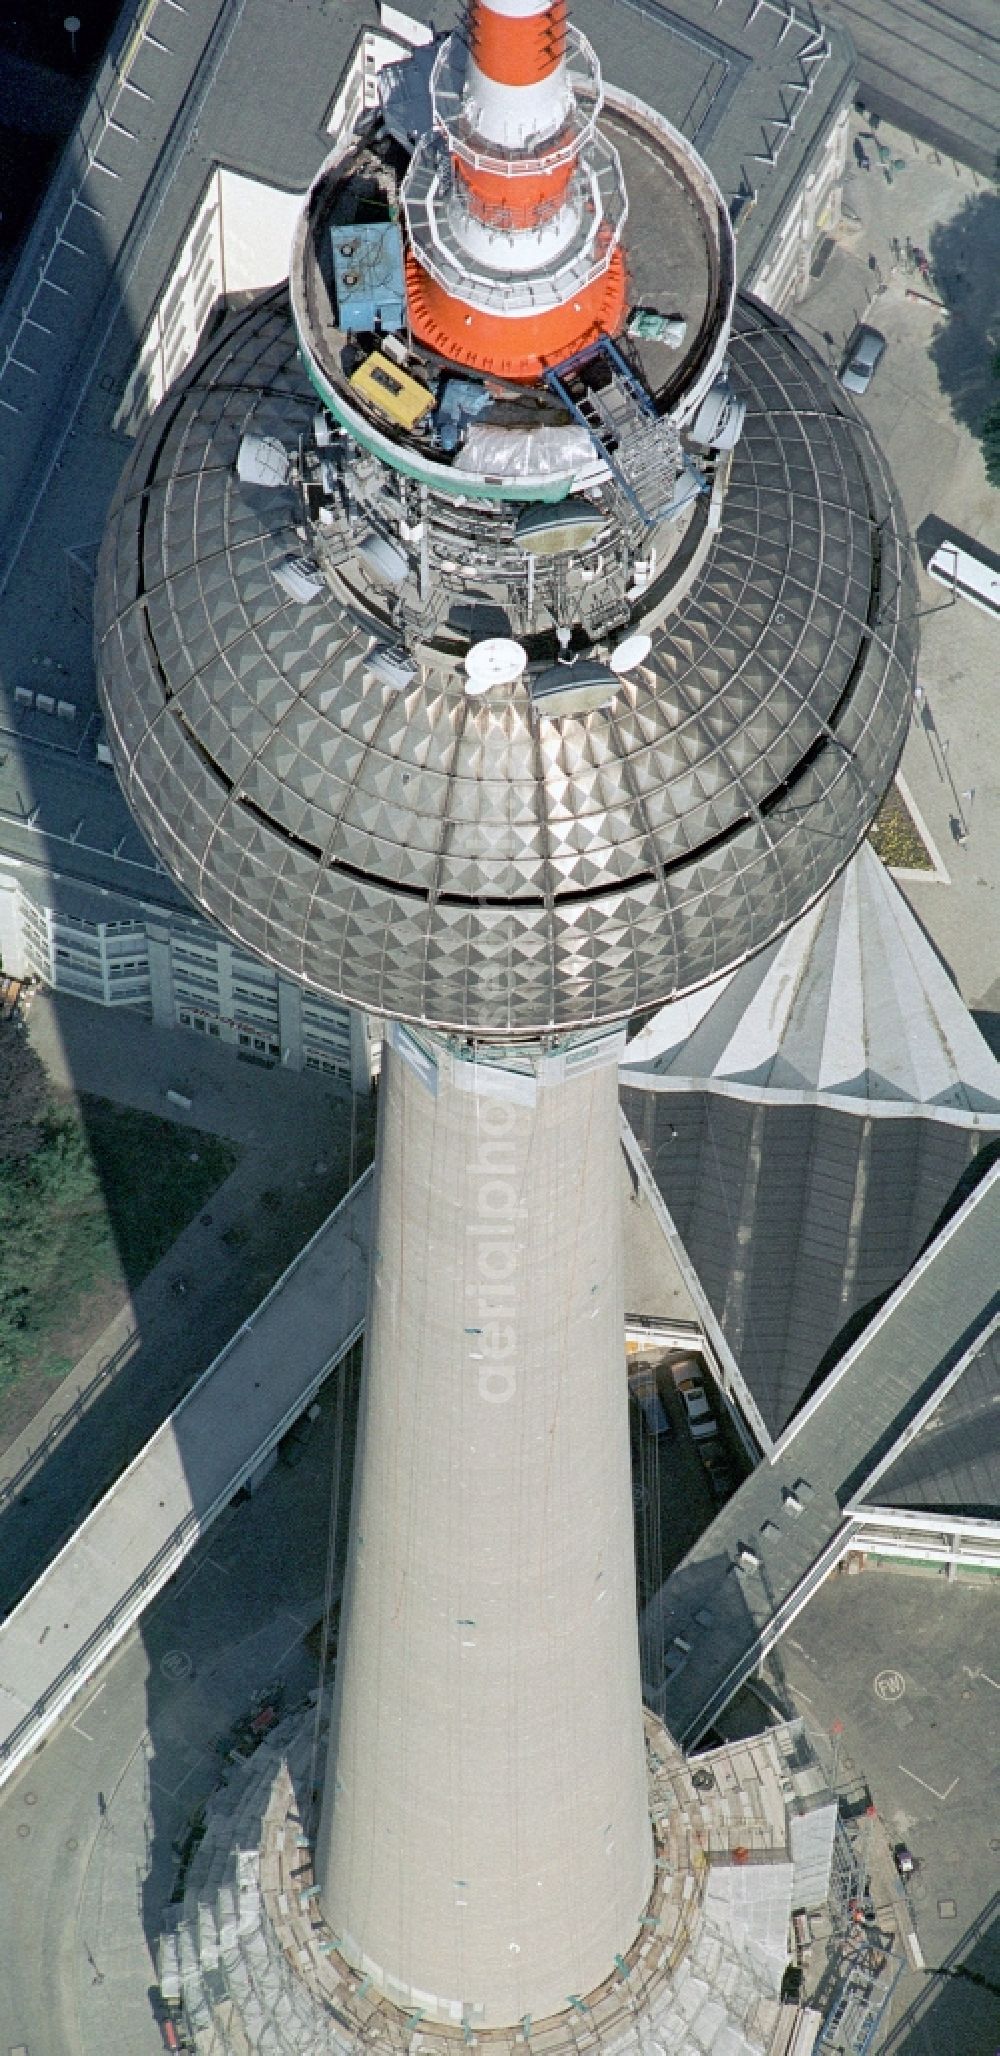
x: 170, y: 966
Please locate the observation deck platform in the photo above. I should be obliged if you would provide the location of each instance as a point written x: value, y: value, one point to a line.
x: 680, y: 266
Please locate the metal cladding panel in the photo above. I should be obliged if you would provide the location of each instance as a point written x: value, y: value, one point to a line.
x: 796, y: 1218
x: 486, y: 1842
x: 679, y: 830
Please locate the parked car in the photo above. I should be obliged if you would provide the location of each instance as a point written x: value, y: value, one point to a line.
x: 643, y: 1383
x: 700, y: 1418
x: 862, y: 358
x: 685, y: 1367
x: 904, y: 1860
x: 719, y: 1472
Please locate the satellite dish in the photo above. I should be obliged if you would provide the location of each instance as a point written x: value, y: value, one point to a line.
x: 545, y: 530
x: 498, y: 660
x: 384, y: 559
x: 262, y: 460
x: 577, y: 688
x: 632, y: 650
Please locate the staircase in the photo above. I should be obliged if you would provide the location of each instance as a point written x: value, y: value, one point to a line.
x: 602, y: 392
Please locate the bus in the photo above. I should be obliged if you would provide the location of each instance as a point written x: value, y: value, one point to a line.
x: 968, y: 577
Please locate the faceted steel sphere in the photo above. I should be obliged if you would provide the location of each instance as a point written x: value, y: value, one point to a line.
x: 470, y: 863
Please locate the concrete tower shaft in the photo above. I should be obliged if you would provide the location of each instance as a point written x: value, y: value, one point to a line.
x: 485, y: 1849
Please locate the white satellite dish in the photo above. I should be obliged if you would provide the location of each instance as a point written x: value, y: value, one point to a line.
x: 262, y: 460
x: 385, y: 560
x: 632, y: 650
x: 497, y: 660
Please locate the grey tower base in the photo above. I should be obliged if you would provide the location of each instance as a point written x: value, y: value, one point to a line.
x: 251, y: 1966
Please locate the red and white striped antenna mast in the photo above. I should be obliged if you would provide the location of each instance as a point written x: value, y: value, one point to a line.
x: 515, y: 203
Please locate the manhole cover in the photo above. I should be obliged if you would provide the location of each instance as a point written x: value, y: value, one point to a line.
x: 23, y: 1830
x: 31, y: 1798
x: 947, y: 1909
x: 889, y: 1685
x: 176, y: 1664
x: 72, y: 1843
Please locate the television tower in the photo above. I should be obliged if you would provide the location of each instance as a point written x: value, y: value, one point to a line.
x: 543, y: 656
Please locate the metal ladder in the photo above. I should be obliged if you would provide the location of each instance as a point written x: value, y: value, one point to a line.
x: 641, y: 451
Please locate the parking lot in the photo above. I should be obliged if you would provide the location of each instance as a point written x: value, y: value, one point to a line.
x: 672, y: 1489
x: 925, y: 401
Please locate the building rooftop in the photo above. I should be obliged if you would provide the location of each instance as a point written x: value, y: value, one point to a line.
x: 797, y: 1219
x: 852, y: 1005
x: 730, y: 1598
x: 952, y: 1466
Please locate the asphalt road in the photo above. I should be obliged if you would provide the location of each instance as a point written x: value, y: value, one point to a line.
x: 927, y: 396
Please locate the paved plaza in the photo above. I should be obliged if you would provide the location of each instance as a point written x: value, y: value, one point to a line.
x: 932, y: 385
x: 896, y: 1668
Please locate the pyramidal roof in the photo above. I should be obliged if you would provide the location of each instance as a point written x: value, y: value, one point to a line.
x: 852, y: 1005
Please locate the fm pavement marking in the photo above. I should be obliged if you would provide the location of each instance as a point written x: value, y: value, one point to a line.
x: 932, y: 1789
x: 86, y: 1709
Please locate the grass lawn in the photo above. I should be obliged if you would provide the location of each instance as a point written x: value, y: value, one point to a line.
x: 89, y: 1212
x: 895, y: 837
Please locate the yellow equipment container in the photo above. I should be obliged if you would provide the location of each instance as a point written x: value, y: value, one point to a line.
x: 391, y: 390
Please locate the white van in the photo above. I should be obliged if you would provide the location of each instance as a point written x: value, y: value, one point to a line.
x: 967, y: 577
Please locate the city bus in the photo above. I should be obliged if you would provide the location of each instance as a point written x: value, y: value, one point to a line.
x: 967, y: 576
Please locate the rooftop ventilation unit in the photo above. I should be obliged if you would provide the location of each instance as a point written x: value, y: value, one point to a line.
x: 262, y: 460
x: 299, y: 579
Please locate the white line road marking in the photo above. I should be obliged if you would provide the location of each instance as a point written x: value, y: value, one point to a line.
x: 86, y: 1709
x: 932, y: 1789
x: 975, y: 1675
x: 914, y: 1947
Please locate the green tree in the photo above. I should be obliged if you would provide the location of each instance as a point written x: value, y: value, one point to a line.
x: 991, y: 443
x: 23, y: 1094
